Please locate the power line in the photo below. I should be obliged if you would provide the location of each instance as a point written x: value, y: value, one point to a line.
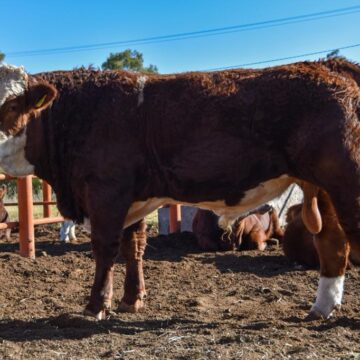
x: 193, y: 34
x: 283, y: 58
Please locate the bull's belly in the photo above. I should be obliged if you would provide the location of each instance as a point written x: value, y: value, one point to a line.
x: 254, y: 197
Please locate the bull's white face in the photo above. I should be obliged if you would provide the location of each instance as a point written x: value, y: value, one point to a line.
x: 18, y: 103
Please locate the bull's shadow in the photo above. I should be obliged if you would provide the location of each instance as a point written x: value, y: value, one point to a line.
x: 258, y: 264
x: 172, y: 247
x: 320, y: 325
x: 50, y: 248
x: 175, y: 247
x: 77, y: 326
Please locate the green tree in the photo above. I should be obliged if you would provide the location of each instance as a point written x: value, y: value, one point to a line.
x: 131, y: 60
x: 2, y: 56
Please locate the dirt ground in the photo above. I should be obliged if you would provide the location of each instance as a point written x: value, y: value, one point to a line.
x: 231, y: 305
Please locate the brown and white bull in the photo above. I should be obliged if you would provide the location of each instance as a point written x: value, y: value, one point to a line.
x: 115, y: 145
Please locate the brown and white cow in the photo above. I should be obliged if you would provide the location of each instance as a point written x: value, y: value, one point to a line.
x: 250, y: 232
x: 115, y: 145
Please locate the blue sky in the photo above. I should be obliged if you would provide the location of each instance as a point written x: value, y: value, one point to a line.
x: 38, y: 24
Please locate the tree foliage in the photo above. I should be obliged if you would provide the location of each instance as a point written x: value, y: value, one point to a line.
x: 2, y: 56
x: 131, y: 60
x: 12, y: 189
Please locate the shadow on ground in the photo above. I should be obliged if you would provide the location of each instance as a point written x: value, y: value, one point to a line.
x: 76, y: 326
x: 260, y: 265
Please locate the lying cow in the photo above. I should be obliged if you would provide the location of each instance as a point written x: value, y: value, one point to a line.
x: 4, y: 215
x: 249, y: 232
x: 116, y: 145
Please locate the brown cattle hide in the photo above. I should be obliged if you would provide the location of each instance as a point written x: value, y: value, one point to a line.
x: 185, y: 122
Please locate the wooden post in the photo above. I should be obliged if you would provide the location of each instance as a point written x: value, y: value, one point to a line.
x: 26, y: 221
x: 174, y: 218
x: 46, y: 189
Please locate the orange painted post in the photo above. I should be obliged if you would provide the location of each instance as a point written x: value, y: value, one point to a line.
x: 46, y: 188
x: 174, y: 218
x: 26, y: 222
x: 50, y: 220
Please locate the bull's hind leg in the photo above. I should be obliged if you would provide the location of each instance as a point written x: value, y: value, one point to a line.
x: 107, y: 212
x: 133, y: 245
x: 333, y: 250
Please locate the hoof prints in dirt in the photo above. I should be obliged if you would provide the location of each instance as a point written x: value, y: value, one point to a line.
x: 228, y: 305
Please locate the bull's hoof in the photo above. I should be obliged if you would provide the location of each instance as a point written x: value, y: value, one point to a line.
x: 103, y: 314
x: 318, y: 314
x: 132, y: 308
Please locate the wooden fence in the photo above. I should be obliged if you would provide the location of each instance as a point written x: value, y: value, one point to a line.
x: 27, y: 222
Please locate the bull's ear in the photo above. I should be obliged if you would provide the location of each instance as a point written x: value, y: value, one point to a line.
x: 40, y: 96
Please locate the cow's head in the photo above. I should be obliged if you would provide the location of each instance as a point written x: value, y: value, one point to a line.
x: 21, y: 99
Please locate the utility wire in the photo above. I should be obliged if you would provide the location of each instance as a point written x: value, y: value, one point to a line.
x: 283, y: 58
x: 193, y: 34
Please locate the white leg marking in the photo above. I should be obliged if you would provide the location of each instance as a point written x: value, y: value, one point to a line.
x: 87, y: 225
x: 72, y: 232
x: 64, y: 231
x: 328, y: 296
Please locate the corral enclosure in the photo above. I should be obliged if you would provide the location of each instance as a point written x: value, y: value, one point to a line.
x: 229, y: 305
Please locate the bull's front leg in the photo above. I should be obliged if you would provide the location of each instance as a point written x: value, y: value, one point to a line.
x: 107, y: 211
x: 333, y: 250
x: 133, y: 245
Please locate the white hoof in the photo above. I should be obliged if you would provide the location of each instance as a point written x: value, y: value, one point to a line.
x: 328, y: 297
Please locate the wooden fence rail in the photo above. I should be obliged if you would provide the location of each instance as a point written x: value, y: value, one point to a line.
x: 26, y: 221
